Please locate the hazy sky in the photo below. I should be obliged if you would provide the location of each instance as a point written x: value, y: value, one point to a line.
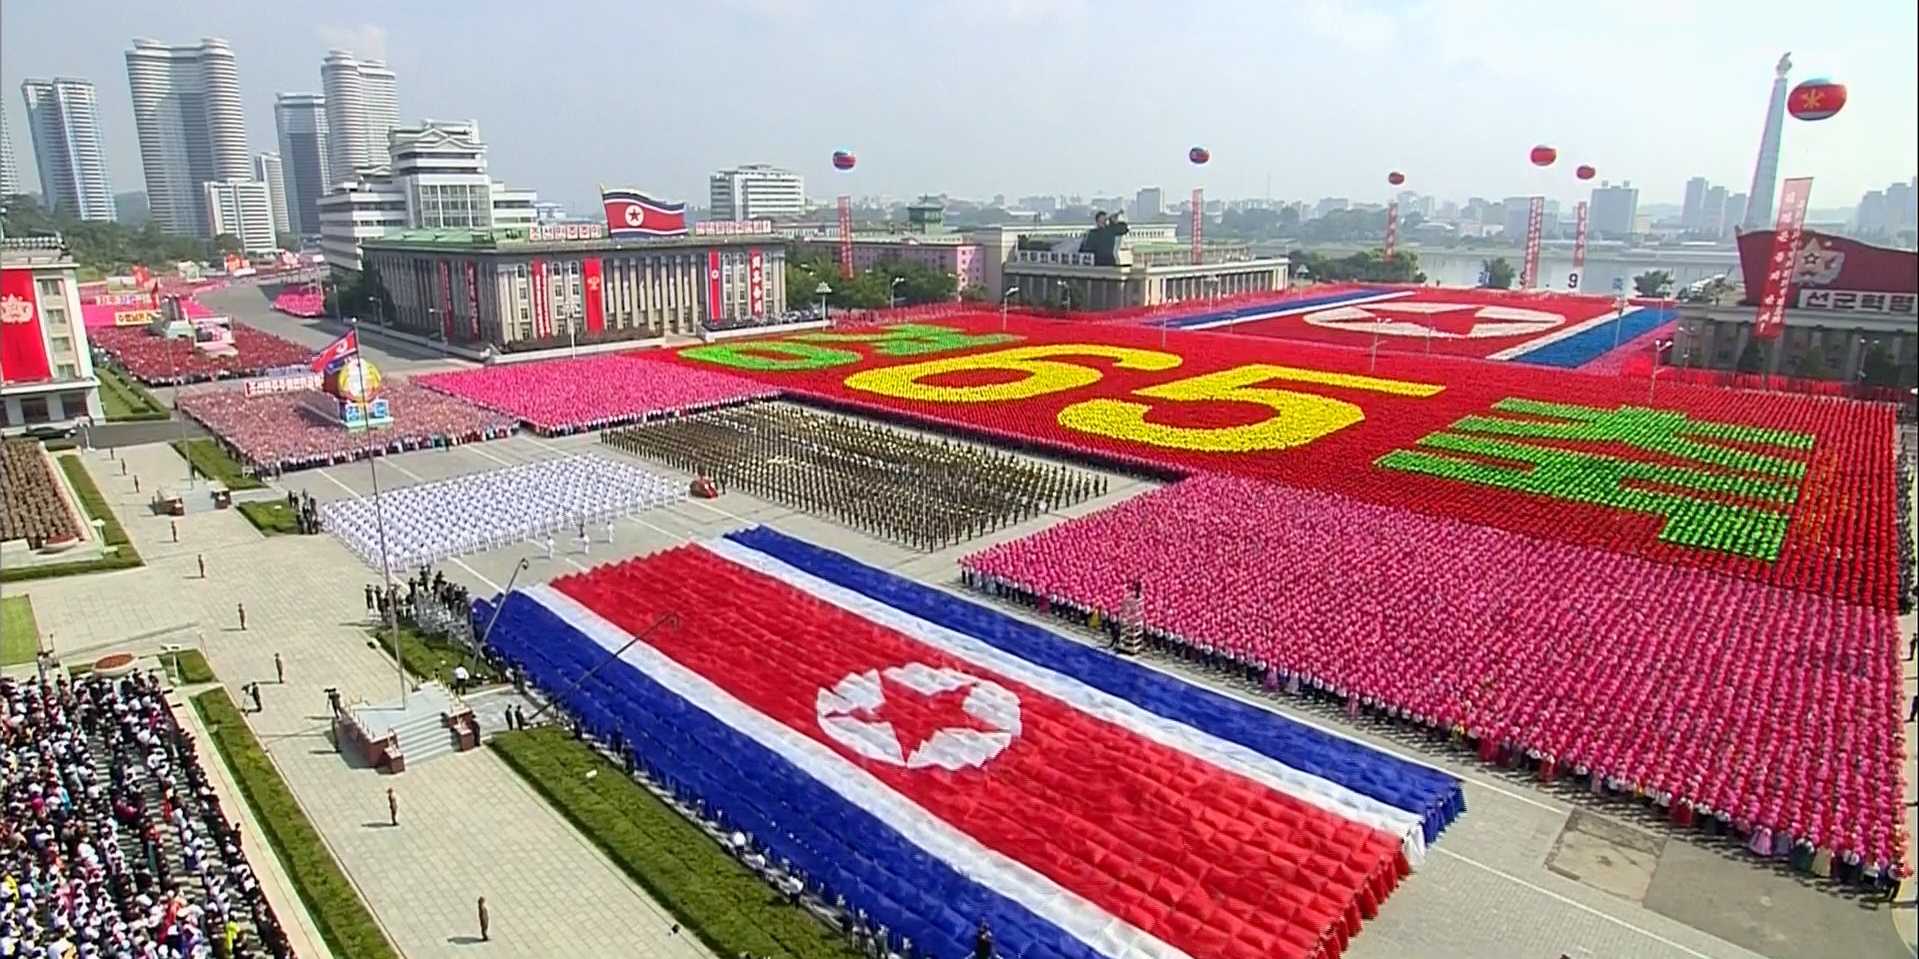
x: 976, y: 97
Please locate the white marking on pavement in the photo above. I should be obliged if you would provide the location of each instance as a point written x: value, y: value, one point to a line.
x: 480, y: 449
x: 1576, y: 904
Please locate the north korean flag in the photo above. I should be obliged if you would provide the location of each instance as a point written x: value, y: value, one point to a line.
x: 940, y: 763
x: 632, y: 213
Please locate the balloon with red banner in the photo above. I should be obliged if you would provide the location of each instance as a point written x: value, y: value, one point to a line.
x: 1543, y: 155
x: 844, y: 160
x: 1199, y: 155
x: 1816, y: 99
x: 1585, y: 171
x: 1395, y: 178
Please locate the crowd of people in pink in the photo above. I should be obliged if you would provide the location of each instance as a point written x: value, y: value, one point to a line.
x: 157, y: 361
x: 275, y: 432
x: 303, y: 301
x: 1757, y: 711
x: 557, y: 397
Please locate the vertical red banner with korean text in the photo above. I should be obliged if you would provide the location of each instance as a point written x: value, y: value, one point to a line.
x: 23, y: 348
x: 446, y: 301
x: 1392, y: 228
x: 591, y: 283
x: 846, y: 237
x: 1199, y: 222
x: 1793, y: 195
x: 714, y: 301
x: 538, y: 272
x: 756, y: 282
x: 1579, y: 245
x: 1535, y: 222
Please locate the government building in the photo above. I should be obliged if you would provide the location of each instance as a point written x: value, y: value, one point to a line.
x: 553, y: 286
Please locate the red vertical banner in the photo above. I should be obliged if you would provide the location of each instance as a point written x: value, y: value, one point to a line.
x: 1535, y: 221
x: 23, y: 349
x: 591, y: 284
x: 1199, y: 223
x: 473, y: 296
x: 1793, y: 196
x: 713, y: 299
x: 446, y: 300
x: 1579, y: 246
x: 141, y: 275
x: 846, y: 237
x: 756, y: 282
x: 1392, y: 228
x: 538, y: 272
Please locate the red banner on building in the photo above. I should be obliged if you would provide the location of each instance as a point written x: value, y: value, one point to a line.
x: 713, y: 299
x: 540, y: 326
x: 23, y: 348
x: 846, y: 237
x: 756, y: 282
x: 473, y: 296
x: 1793, y: 195
x: 1392, y: 228
x: 1535, y: 222
x: 590, y: 285
x: 446, y: 301
x: 1199, y: 223
x: 1579, y: 246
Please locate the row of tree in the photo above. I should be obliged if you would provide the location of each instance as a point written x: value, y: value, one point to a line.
x: 867, y: 289
x: 105, y: 248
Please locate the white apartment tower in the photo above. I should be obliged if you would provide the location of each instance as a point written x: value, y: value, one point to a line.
x: 62, y: 113
x: 361, y: 106
x: 267, y: 170
x: 9, y: 177
x: 756, y: 191
x: 243, y: 209
x: 300, y: 121
x: 192, y: 128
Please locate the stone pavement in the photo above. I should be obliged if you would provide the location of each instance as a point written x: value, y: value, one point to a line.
x: 469, y: 825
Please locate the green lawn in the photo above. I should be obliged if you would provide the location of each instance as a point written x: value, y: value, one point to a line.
x: 95, y: 506
x: 430, y: 657
x: 123, y: 399
x: 707, y: 890
x: 19, y: 634
x: 214, y: 463
x: 273, y: 517
x: 192, y: 668
x: 343, y: 920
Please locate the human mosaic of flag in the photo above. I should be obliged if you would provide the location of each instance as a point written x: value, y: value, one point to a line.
x: 1791, y: 490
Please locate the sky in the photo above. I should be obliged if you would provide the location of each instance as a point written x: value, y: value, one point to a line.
x: 1295, y: 99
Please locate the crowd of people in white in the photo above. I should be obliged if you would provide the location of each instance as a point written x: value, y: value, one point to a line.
x: 482, y: 511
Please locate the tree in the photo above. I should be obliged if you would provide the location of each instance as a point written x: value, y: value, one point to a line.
x: 102, y: 248
x: 973, y: 293
x: 1752, y: 359
x: 1652, y: 282
x: 1498, y: 272
x: 226, y: 243
x: 1811, y: 364
x: 1878, y: 367
x: 287, y: 241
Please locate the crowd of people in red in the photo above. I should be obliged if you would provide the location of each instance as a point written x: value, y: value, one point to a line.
x: 158, y: 361
x: 275, y: 432
x: 1761, y: 711
x: 556, y: 397
x: 302, y: 301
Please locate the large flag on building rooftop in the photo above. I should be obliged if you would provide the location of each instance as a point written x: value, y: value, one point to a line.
x: 632, y: 213
x: 336, y: 351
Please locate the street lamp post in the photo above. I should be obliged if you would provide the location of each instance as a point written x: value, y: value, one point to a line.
x: 892, y: 293
x: 823, y: 291
x: 1657, y: 348
x: 1003, y: 299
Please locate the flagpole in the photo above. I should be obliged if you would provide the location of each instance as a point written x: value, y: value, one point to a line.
x: 379, y: 520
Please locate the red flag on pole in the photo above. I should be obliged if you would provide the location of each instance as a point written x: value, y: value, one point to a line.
x: 338, y: 350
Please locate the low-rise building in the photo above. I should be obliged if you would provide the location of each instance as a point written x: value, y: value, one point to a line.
x: 1144, y: 276
x: 46, y: 364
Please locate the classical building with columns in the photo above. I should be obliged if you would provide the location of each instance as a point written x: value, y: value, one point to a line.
x: 1144, y: 276
x: 524, y: 289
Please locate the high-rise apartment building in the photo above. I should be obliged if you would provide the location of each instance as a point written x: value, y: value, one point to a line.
x: 63, y: 115
x: 1735, y: 213
x: 1712, y: 211
x: 9, y: 175
x: 756, y: 191
x: 362, y: 104
x: 300, y: 121
x: 1695, y: 199
x: 192, y: 129
x: 1614, y: 210
x: 241, y: 208
x: 268, y: 170
x: 1149, y: 202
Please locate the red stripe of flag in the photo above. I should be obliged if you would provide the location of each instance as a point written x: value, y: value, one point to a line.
x: 1208, y: 861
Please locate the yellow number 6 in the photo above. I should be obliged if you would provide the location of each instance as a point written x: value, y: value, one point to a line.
x: 1298, y: 418
x: 1043, y: 376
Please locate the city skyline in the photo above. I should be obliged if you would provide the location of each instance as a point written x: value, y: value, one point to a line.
x: 1066, y: 137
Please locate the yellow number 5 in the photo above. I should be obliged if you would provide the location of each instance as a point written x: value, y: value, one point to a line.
x: 1298, y: 418
x: 1043, y: 375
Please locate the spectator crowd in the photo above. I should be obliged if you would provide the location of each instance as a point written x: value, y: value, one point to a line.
x: 160, y: 361
x: 114, y: 845
x: 274, y: 432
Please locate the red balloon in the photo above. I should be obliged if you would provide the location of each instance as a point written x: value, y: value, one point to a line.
x: 843, y: 160
x: 1543, y: 155
x: 1199, y: 155
x: 1585, y: 172
x: 1816, y: 99
x: 1395, y: 178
